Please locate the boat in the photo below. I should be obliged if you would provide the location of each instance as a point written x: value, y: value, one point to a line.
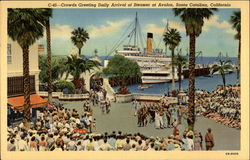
x: 142, y: 87
x: 154, y: 64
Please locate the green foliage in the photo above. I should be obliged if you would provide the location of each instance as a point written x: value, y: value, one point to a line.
x: 172, y: 38
x: 119, y: 66
x: 222, y: 67
x: 24, y: 26
x: 235, y: 20
x: 62, y: 84
x: 76, y: 66
x: 179, y: 61
x: 79, y: 37
x: 57, y: 68
x: 194, y: 18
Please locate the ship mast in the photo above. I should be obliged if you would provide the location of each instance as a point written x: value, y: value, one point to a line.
x: 135, y: 29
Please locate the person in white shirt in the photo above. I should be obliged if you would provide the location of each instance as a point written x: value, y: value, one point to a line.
x: 79, y: 146
x: 96, y: 145
x: 58, y: 148
x: 135, y: 106
x: 190, y: 145
x: 185, y: 143
x: 105, y: 146
x: 85, y: 142
x: 71, y: 145
x: 22, y: 144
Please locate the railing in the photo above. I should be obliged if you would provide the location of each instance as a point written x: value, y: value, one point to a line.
x: 77, y: 97
x: 54, y: 94
x: 62, y: 96
x: 74, y: 96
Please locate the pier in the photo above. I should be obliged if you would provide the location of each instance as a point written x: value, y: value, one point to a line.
x: 199, y: 71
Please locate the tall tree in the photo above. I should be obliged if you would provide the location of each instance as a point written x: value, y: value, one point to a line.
x: 76, y: 66
x: 57, y: 68
x: 193, y: 18
x: 180, y: 62
x: 122, y: 68
x: 172, y: 38
x: 25, y: 28
x: 235, y: 20
x: 222, y: 68
x: 46, y: 14
x: 79, y: 37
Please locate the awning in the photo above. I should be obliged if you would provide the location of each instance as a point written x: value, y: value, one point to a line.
x: 35, y: 102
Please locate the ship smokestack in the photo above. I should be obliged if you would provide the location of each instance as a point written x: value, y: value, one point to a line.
x: 149, y: 42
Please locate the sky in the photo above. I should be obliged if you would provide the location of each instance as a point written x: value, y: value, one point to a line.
x: 106, y: 27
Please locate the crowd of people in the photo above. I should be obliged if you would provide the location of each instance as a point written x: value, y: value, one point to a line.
x: 56, y: 128
x: 221, y: 105
x: 163, y: 114
x: 100, y: 99
x: 33, y: 140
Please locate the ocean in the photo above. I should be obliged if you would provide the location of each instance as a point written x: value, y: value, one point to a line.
x: 201, y: 82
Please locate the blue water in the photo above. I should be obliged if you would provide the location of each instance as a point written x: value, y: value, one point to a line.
x: 205, y: 83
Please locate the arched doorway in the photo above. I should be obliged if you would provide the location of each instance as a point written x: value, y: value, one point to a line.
x: 96, y: 82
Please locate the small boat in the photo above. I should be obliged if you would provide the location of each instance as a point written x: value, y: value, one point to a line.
x: 142, y: 87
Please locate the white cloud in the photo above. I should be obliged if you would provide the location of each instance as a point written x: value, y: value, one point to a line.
x: 109, y: 28
x: 208, y: 24
x: 213, y: 22
x: 61, y: 32
x: 156, y: 29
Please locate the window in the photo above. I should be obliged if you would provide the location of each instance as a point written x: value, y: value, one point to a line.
x: 15, y: 85
x: 9, y: 54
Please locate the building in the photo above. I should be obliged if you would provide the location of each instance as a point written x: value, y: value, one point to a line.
x: 15, y: 79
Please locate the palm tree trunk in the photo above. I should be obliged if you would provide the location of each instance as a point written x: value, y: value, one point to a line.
x: 173, y: 71
x: 191, y: 85
x: 224, y: 80
x: 49, y: 62
x: 179, y: 77
x: 239, y: 49
x: 26, y: 88
x: 79, y: 51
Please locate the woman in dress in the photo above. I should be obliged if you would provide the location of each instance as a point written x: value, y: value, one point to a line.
x: 157, y: 120
x: 197, y: 142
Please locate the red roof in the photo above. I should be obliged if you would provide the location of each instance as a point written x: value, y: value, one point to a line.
x: 35, y: 102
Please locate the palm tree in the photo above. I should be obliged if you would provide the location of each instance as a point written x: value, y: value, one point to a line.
x: 180, y: 62
x: 235, y: 20
x: 25, y: 28
x: 172, y: 38
x: 57, y: 68
x: 193, y: 18
x: 46, y: 15
x: 76, y: 66
x: 79, y: 37
x: 222, y: 67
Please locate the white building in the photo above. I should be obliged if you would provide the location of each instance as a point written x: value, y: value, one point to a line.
x: 15, y: 62
x: 15, y: 81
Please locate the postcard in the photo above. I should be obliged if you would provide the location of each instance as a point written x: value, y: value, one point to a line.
x: 124, y: 80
